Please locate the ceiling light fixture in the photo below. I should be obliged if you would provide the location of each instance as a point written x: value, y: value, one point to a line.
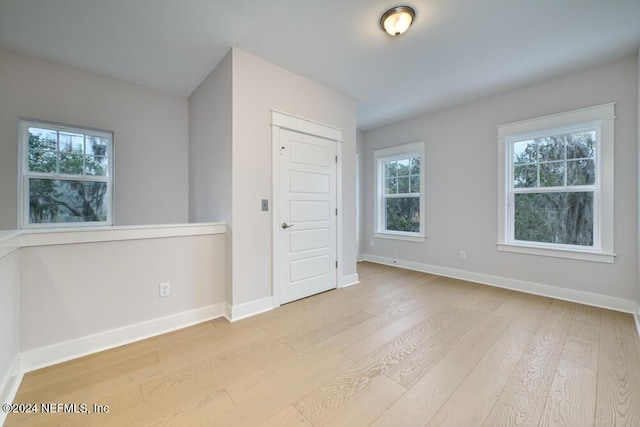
x: 397, y: 20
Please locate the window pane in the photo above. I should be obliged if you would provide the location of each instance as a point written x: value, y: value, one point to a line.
x: 581, y: 145
x: 581, y: 172
x: 71, y: 142
x: 415, y: 165
x: 525, y: 176
x: 552, y: 174
x: 96, y: 145
x: 42, y: 161
x: 71, y: 164
x: 403, y: 214
x: 525, y: 152
x: 561, y: 218
x: 390, y: 169
x: 551, y: 148
x: 95, y: 166
x: 403, y: 167
x: 56, y: 201
x: 42, y: 139
x: 403, y: 185
x: 415, y: 184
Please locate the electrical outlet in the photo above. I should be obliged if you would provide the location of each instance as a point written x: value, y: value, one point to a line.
x: 165, y: 289
x: 372, y: 242
x: 463, y: 254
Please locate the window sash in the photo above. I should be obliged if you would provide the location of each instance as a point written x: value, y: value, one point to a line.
x: 381, y: 157
x: 26, y: 175
x: 594, y: 188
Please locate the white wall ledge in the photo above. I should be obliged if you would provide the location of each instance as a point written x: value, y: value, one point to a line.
x: 558, y: 252
x: 10, y: 240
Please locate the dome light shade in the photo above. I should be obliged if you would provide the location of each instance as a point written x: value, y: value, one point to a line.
x: 397, y: 20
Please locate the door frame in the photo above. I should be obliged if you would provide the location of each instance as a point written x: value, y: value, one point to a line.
x: 281, y: 120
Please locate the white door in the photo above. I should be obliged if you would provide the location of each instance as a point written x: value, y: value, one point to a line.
x: 307, y: 215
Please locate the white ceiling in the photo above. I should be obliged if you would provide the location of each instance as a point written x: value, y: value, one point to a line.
x: 457, y: 50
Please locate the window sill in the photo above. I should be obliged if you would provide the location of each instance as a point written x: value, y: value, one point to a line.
x: 398, y: 236
x: 558, y: 253
x: 64, y: 236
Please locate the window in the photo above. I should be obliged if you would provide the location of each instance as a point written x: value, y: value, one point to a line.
x: 66, y: 176
x: 557, y: 185
x: 400, y: 192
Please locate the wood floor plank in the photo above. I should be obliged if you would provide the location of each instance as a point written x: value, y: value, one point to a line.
x: 377, y: 339
x: 288, y: 417
x: 118, y: 399
x: 326, y: 399
x: 377, y: 397
x: 348, y: 338
x: 618, y: 388
x: 527, y: 389
x: 533, y: 313
x: 196, y: 350
x: 263, y: 395
x: 217, y: 373
x: 303, y: 341
x: 514, y: 304
x: 505, y: 416
x: 410, y: 369
x: 474, y: 295
x: 477, y: 341
x: 582, y: 343
x: 572, y: 397
x: 423, y: 400
x: 182, y: 410
x: 472, y: 401
x: 400, y: 348
x: 67, y: 385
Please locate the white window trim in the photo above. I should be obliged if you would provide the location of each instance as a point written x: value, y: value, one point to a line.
x: 24, y: 175
x: 391, y: 153
x: 601, y: 116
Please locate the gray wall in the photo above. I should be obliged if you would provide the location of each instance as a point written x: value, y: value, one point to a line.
x: 58, y: 304
x: 361, y: 234
x: 9, y: 313
x: 210, y: 162
x: 230, y: 160
x: 150, y: 135
x: 259, y: 87
x: 210, y: 146
x: 461, y: 172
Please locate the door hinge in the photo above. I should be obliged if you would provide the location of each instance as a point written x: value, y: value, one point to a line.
x: 336, y: 158
x: 336, y: 211
x: 336, y: 264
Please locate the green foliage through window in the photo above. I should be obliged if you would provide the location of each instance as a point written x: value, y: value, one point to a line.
x: 553, y: 185
x: 402, y: 194
x: 67, y: 176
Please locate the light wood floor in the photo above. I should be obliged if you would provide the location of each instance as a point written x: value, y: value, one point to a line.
x: 400, y: 348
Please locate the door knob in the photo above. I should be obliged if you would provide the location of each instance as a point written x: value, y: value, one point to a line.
x: 285, y: 225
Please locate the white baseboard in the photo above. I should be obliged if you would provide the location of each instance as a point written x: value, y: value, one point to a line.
x: 587, y: 298
x: 57, y: 353
x: 10, y: 384
x: 349, y: 280
x: 228, y: 309
x: 248, y: 309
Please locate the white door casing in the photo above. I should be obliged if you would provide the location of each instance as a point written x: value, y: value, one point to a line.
x: 306, y: 204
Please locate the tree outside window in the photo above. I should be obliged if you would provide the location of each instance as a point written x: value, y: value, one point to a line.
x: 400, y: 192
x: 66, y: 176
x: 555, y: 190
